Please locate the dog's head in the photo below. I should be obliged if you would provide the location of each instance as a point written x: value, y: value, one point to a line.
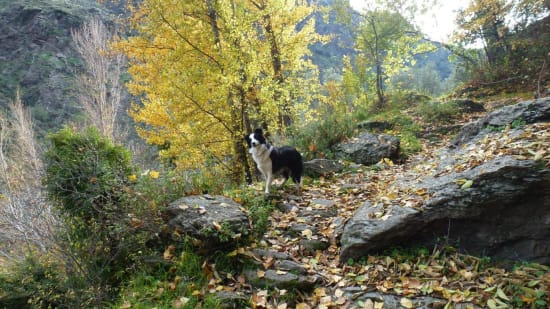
x: 255, y: 139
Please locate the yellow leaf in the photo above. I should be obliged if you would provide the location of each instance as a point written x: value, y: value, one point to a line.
x: 467, y: 184
x: 126, y: 305
x: 216, y: 225
x: 539, y: 154
x: 407, y: 303
x: 307, y: 233
x: 319, y: 292
x: 172, y: 286
x: 180, y: 302
x: 169, y: 252
x: 136, y: 223
x: 132, y: 178
x: 302, y: 306
x: 154, y: 174
x: 466, y: 274
x: 196, y: 293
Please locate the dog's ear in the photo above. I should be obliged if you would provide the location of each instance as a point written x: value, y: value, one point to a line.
x: 259, y: 131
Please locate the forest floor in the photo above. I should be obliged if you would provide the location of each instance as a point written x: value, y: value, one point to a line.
x: 449, y: 278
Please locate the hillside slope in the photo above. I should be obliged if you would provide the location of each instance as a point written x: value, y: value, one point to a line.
x: 38, y: 57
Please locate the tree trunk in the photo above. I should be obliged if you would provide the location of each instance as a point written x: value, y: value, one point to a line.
x: 379, y: 71
x: 284, y: 114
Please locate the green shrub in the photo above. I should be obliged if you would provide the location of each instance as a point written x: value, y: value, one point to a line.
x: 85, y: 172
x: 34, y: 282
x: 409, y: 143
x: 317, y: 138
x: 438, y: 112
x: 405, y: 128
x: 106, y: 224
x: 179, y: 282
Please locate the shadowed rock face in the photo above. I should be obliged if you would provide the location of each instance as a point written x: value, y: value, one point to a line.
x: 322, y: 167
x: 507, y: 215
x: 368, y: 148
x: 504, y: 212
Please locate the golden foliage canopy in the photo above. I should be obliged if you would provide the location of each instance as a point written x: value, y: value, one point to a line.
x: 208, y: 71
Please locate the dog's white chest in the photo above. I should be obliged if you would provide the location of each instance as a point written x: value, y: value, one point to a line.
x: 262, y: 159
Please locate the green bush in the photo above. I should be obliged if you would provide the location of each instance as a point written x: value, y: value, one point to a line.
x: 405, y: 128
x: 106, y: 223
x: 318, y: 138
x: 85, y: 172
x: 438, y: 112
x: 259, y: 209
x: 34, y: 282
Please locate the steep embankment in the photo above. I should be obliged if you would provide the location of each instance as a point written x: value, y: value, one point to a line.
x: 37, y: 55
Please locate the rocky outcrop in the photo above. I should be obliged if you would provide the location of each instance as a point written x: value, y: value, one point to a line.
x: 505, y: 214
x: 368, y: 299
x: 216, y: 221
x: 514, y: 115
x: 322, y: 167
x: 368, y: 148
x: 488, y: 198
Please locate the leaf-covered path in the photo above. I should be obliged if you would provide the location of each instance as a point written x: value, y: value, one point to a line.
x: 304, y: 239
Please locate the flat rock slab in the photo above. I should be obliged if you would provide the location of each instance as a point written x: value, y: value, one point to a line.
x: 215, y: 220
x: 281, y: 279
x: 322, y: 167
x: 505, y: 214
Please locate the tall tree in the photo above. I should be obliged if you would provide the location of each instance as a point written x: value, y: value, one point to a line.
x: 512, y: 48
x: 99, y: 85
x: 208, y: 71
x: 27, y: 221
x: 386, y: 43
x: 484, y: 20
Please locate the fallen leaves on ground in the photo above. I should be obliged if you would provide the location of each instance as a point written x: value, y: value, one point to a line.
x: 445, y: 274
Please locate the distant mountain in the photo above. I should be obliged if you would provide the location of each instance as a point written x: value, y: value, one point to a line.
x: 328, y: 57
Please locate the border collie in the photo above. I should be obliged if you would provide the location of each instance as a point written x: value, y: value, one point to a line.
x: 274, y: 161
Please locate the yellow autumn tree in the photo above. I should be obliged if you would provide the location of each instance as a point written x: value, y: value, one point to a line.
x: 208, y: 71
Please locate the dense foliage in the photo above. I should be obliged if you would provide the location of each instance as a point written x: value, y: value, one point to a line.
x: 207, y: 73
x: 104, y: 231
x: 514, y: 41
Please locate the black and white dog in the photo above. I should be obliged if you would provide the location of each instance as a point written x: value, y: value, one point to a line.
x: 274, y: 161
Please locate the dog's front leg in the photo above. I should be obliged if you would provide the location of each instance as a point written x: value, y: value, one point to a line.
x: 268, y: 180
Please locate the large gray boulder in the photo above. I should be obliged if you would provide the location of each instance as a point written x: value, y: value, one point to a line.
x: 322, y: 167
x: 504, y: 214
x: 525, y: 112
x: 490, y: 196
x: 217, y: 221
x: 368, y: 148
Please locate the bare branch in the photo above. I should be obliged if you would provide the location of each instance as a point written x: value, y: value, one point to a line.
x: 100, y: 87
x: 26, y: 220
